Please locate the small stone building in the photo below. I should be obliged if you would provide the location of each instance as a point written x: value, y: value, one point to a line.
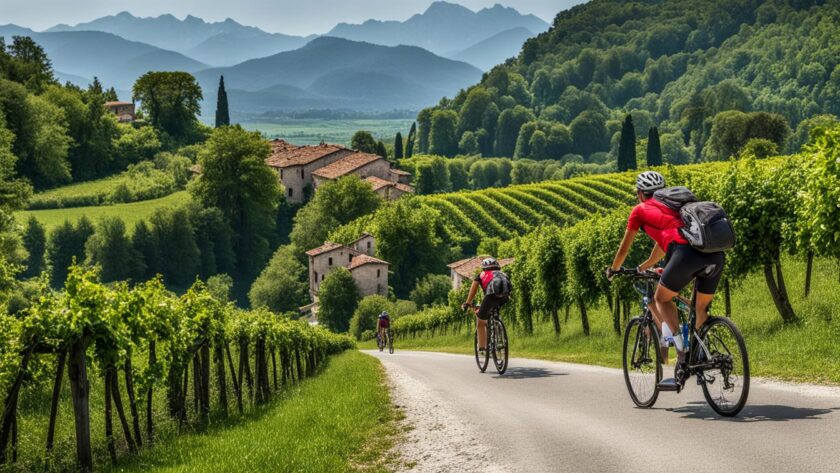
x: 369, y: 273
x: 464, y: 271
x: 123, y: 110
x: 389, y: 190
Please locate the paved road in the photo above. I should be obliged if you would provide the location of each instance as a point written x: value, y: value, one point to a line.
x: 554, y: 417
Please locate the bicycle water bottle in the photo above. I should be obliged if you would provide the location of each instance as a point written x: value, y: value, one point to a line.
x: 685, y: 333
x: 667, y: 335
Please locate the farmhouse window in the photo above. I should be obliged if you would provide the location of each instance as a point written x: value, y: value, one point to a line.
x: 330, y: 261
x: 378, y: 273
x: 291, y: 191
x: 301, y: 173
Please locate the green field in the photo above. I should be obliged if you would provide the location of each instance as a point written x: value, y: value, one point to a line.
x: 339, y: 421
x: 130, y: 213
x: 805, y: 351
x: 313, y: 131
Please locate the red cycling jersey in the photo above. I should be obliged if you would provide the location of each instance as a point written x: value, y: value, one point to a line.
x: 484, y: 278
x: 384, y: 323
x: 658, y: 221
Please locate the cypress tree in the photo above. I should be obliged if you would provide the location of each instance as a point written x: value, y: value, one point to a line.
x: 222, y: 115
x: 627, y: 145
x: 398, y: 146
x: 35, y: 242
x: 654, y: 148
x: 412, y: 137
x: 381, y: 150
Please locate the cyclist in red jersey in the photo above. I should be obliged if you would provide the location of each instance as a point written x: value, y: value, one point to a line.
x: 495, y: 296
x: 383, y: 324
x: 684, y: 263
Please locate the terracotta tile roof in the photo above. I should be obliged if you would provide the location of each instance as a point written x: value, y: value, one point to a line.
x: 378, y: 182
x: 284, y: 154
x: 363, y: 235
x: 328, y: 246
x: 400, y: 172
x: 346, y: 165
x: 365, y: 259
x: 403, y: 187
x: 116, y: 103
x: 467, y: 268
x: 196, y: 169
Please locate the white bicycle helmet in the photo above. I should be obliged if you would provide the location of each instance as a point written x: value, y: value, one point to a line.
x: 490, y: 263
x: 649, y: 181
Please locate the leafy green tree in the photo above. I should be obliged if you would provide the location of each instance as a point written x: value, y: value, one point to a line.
x: 548, y: 270
x: 35, y: 242
x: 398, y: 146
x: 214, y: 239
x: 471, y: 115
x: 134, y: 145
x: 180, y: 260
x: 64, y: 244
x: 367, y: 314
x: 424, y: 126
x: 222, y: 114
x: 433, y: 289
x: 110, y: 248
x: 171, y: 101
x: 654, y: 148
x: 146, y: 249
x: 760, y: 148
x: 442, y: 136
x: 674, y: 149
x: 627, y: 145
x: 281, y: 286
x: 363, y: 141
x: 27, y: 64
x: 818, y: 228
x: 338, y: 298
x: 220, y: 285
x: 507, y: 129
x: 732, y: 130
x: 410, y: 141
x: 589, y: 133
x: 803, y: 130
x: 432, y: 176
x: 335, y: 204
x: 381, y: 150
x: 236, y: 180
x: 469, y: 143
x: 458, y: 175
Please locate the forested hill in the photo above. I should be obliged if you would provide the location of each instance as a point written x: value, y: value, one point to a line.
x: 684, y: 65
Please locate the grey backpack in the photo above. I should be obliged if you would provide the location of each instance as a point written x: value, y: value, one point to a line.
x: 707, y: 227
x: 500, y: 285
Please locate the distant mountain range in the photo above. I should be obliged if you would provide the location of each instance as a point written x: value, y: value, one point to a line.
x: 222, y: 43
x: 339, y: 73
x: 377, y: 65
x: 115, y: 61
x: 444, y: 28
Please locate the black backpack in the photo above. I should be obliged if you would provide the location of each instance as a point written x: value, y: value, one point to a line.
x: 500, y: 285
x: 707, y: 227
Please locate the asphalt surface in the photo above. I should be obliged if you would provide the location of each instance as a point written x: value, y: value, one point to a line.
x: 555, y: 417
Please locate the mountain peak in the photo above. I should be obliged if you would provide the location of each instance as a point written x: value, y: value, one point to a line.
x: 445, y: 7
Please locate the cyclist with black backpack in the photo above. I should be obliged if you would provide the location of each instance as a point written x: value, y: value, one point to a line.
x: 693, y: 252
x: 497, y: 287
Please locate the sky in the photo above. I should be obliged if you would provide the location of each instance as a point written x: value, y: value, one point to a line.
x: 300, y: 17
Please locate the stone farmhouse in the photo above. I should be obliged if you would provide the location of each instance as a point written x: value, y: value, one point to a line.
x: 464, y: 271
x: 303, y: 168
x: 123, y: 110
x: 369, y: 273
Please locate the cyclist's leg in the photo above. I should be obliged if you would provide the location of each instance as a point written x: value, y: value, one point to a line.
x: 482, y: 315
x: 706, y: 284
x: 679, y: 271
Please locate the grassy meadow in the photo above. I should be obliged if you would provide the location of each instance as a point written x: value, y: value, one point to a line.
x: 307, y: 131
x: 806, y: 351
x: 130, y: 213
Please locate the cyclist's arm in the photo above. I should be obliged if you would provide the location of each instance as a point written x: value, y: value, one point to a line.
x: 473, y: 291
x: 623, y: 249
x: 655, y: 255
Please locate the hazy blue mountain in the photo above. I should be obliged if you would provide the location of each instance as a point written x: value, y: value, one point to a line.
x: 444, y: 28
x: 221, y: 43
x: 342, y: 74
x: 116, y: 61
x: 495, y: 49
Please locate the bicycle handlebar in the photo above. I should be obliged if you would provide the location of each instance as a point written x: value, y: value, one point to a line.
x: 648, y: 274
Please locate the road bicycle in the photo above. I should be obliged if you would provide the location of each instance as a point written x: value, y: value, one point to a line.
x: 497, y: 343
x: 388, y: 341
x: 716, y: 353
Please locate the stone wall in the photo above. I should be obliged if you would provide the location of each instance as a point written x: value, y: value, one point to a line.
x: 371, y: 278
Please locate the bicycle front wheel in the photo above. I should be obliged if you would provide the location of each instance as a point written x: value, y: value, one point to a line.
x: 726, y: 385
x: 642, y: 361
x: 390, y: 343
x: 481, y: 359
x: 500, y: 345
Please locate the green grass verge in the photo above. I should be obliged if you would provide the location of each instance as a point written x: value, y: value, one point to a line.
x: 342, y: 420
x: 806, y: 351
x: 130, y: 213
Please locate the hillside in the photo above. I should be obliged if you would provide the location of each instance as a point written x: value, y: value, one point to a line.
x: 677, y: 64
x: 339, y: 73
x: 217, y: 43
x: 114, y: 60
x: 495, y: 49
x: 444, y: 28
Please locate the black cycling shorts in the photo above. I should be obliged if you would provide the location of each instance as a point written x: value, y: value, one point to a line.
x: 684, y: 263
x: 490, y: 302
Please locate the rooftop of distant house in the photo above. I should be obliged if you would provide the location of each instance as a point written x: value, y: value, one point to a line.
x: 326, y: 247
x: 285, y: 154
x: 346, y: 165
x: 364, y: 259
x: 117, y: 103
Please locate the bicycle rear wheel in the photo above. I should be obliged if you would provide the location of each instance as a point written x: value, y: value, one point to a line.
x: 727, y: 386
x: 500, y: 345
x: 642, y: 361
x: 481, y: 359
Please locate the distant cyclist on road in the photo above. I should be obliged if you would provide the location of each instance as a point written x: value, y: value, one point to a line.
x: 382, y: 325
x: 496, y: 287
x: 684, y: 263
